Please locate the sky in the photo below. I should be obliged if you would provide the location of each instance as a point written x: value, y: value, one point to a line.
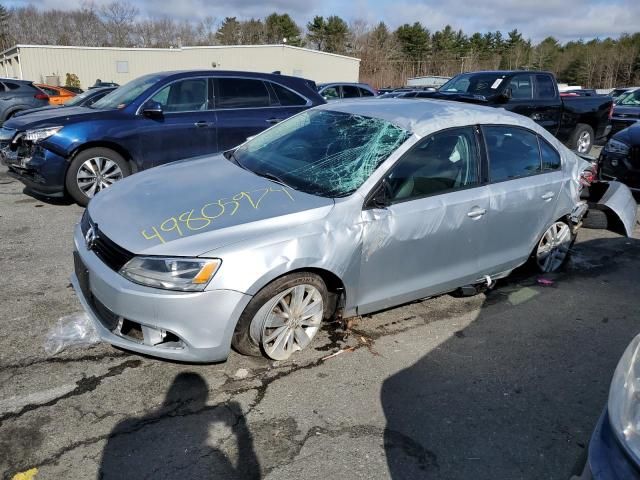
x: 536, y: 19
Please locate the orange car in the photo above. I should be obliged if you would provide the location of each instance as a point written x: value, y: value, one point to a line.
x: 57, y: 95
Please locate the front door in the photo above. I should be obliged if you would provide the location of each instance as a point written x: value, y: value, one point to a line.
x: 427, y: 240
x: 186, y: 128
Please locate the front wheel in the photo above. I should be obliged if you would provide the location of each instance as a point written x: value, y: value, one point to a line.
x: 94, y: 170
x: 553, y: 248
x: 283, y: 317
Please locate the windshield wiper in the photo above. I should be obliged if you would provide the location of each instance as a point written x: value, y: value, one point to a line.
x: 272, y: 177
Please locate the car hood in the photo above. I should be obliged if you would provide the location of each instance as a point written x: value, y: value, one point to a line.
x: 190, y: 207
x: 48, y: 117
x: 33, y: 110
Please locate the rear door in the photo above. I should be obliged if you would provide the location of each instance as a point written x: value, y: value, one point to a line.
x: 524, y: 188
x: 548, y: 110
x: 247, y: 106
x: 187, y: 126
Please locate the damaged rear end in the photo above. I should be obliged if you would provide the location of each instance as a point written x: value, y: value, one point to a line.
x: 611, y: 204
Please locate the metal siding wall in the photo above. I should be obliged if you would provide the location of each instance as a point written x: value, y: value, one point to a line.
x: 90, y: 64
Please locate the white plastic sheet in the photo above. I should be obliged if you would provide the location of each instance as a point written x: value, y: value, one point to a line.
x: 71, y: 330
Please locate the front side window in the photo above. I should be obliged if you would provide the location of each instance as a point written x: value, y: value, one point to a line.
x: 127, y: 93
x: 330, y: 93
x: 241, y: 93
x: 349, y: 91
x: 440, y: 163
x: 521, y: 88
x: 545, y: 87
x: 184, y: 96
x: 366, y: 93
x: 322, y: 152
x: 513, y: 152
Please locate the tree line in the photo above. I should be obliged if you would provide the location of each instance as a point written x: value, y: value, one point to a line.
x: 388, y: 57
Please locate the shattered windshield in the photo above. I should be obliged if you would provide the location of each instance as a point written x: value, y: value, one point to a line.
x: 322, y: 152
x: 475, y: 83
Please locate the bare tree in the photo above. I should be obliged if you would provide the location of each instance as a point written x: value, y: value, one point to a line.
x: 119, y: 18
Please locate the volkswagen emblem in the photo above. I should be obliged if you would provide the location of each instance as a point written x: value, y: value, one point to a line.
x: 91, y: 236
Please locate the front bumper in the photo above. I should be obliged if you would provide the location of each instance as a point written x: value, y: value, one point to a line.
x: 39, y: 169
x: 200, y: 324
x: 607, y: 459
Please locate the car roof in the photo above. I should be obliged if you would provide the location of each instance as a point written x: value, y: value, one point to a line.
x: 425, y: 116
x: 226, y: 73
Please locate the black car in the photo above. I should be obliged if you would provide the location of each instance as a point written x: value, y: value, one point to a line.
x: 85, y: 99
x: 578, y: 121
x: 101, y: 84
x: 18, y: 95
x: 620, y: 157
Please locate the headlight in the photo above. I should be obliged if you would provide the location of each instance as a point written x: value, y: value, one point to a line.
x: 39, y: 134
x: 624, y: 399
x: 616, y: 146
x: 185, y: 274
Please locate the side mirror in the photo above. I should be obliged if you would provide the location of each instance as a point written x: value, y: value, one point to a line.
x: 152, y: 109
x: 380, y: 197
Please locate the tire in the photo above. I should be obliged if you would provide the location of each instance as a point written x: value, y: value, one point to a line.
x: 595, y: 219
x: 582, y: 139
x: 80, y: 177
x: 260, y: 319
x: 552, y: 249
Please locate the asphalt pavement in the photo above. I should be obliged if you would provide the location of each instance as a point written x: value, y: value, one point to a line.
x: 502, y: 385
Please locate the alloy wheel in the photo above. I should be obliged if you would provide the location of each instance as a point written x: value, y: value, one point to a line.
x: 584, y: 142
x: 288, y: 322
x: 553, y: 247
x: 96, y: 174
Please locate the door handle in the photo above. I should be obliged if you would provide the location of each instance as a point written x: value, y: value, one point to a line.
x: 273, y: 121
x: 547, y: 196
x: 477, y: 213
x: 201, y: 124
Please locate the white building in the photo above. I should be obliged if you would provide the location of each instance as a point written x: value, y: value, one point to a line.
x: 50, y: 64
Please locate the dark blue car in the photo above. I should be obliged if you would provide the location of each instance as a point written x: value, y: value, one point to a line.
x: 155, y: 119
x: 614, y: 450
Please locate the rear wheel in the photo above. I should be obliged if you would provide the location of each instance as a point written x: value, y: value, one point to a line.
x: 94, y: 170
x: 553, y: 248
x: 283, y: 317
x: 582, y: 139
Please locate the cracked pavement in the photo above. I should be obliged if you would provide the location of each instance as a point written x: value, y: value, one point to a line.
x: 502, y: 385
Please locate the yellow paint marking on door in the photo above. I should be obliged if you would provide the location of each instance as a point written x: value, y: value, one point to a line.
x: 27, y: 475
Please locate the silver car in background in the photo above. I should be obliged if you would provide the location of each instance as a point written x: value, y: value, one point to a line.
x: 361, y: 205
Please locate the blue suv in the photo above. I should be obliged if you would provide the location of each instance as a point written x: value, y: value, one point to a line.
x: 155, y: 119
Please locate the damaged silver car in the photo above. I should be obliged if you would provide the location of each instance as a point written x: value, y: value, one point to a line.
x: 357, y: 205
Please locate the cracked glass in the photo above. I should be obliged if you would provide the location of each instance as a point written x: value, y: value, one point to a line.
x: 323, y: 152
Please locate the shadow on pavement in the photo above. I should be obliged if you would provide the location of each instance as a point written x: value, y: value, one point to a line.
x: 173, y: 442
x: 516, y: 394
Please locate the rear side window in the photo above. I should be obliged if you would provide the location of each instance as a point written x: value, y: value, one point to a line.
x: 349, y: 91
x: 49, y: 91
x: 545, y: 88
x: 11, y: 85
x: 513, y: 153
x: 241, y: 93
x: 550, y: 157
x: 286, y: 97
x: 365, y: 93
x: 521, y: 88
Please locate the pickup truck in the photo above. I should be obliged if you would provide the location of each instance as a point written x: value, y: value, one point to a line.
x: 577, y: 121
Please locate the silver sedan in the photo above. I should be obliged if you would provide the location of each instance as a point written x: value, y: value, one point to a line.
x: 357, y: 205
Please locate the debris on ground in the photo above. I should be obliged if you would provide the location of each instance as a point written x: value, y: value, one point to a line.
x: 545, y: 281
x: 339, y: 352
x: 241, y: 373
x: 76, y: 329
